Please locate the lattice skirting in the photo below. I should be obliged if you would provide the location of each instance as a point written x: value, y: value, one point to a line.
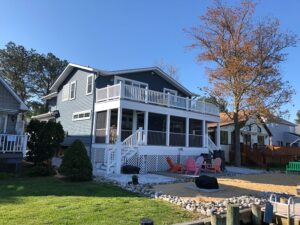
x: 155, y: 163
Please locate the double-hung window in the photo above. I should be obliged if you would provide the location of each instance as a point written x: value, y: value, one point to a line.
x: 89, y: 84
x: 73, y: 90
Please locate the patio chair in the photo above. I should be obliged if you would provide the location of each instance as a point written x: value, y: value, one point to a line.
x: 190, y: 166
x: 174, y: 167
x: 199, y: 164
x: 215, y: 166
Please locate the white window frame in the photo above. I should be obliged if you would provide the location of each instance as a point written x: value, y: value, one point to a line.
x: 81, y: 112
x: 166, y: 90
x: 66, y: 87
x: 87, y: 84
x: 70, y: 93
x: 139, y: 83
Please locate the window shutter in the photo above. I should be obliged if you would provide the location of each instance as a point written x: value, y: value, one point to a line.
x: 65, y: 92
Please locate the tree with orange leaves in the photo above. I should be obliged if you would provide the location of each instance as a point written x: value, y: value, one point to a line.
x: 244, y: 55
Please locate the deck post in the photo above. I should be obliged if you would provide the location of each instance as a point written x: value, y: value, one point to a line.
x: 134, y: 121
x: 218, y: 136
x: 168, y: 130
x: 146, y: 115
x: 215, y: 219
x: 204, y: 134
x: 118, y: 149
x: 107, y: 131
x: 187, y: 131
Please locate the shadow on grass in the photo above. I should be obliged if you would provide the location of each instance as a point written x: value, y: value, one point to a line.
x: 13, y: 188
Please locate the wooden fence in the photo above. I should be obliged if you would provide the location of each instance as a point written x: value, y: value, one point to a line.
x: 266, y: 156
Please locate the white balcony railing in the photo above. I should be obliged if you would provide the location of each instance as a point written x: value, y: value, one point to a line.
x: 154, y: 97
x: 10, y: 143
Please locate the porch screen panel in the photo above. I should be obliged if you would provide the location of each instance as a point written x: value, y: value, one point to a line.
x: 195, y: 133
x: 177, y: 131
x: 157, y: 129
x: 100, y: 127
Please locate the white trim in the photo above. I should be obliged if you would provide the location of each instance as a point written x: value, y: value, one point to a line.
x: 81, y: 112
x: 87, y: 83
x: 130, y: 80
x: 49, y: 96
x: 70, y: 93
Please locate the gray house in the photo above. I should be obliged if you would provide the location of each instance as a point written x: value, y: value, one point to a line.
x: 136, y: 117
x: 12, y: 139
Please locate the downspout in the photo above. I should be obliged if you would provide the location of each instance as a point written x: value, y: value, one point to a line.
x: 92, y: 113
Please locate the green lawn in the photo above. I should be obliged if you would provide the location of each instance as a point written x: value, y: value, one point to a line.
x: 48, y: 200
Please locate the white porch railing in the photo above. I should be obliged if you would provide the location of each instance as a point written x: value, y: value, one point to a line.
x: 122, y: 91
x: 10, y: 143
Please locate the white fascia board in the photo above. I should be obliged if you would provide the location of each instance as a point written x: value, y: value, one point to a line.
x: 49, y: 96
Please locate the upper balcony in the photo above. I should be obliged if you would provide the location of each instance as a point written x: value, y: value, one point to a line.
x: 144, y: 95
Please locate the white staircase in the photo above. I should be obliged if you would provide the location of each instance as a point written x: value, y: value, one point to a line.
x: 211, y: 145
x: 129, y: 147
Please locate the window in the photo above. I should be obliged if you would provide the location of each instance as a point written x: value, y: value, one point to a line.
x: 84, y: 115
x: 89, y: 84
x: 73, y: 90
x: 170, y: 91
x: 65, y: 92
x: 261, y: 140
x: 130, y: 82
x: 224, y: 137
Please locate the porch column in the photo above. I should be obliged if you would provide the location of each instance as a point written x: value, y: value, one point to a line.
x: 107, y: 131
x: 168, y: 130
x: 134, y: 121
x: 146, y: 115
x: 204, y: 137
x: 218, y: 136
x: 187, y: 131
x: 118, y: 156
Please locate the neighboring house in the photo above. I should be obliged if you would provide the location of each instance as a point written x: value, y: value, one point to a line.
x: 12, y: 139
x: 136, y: 117
x: 283, y: 132
x: 253, y: 131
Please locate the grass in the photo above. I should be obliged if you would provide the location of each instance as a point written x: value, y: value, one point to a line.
x: 48, y: 200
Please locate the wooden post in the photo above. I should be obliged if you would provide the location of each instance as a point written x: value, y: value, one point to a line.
x: 256, y: 214
x: 215, y: 219
x: 233, y: 215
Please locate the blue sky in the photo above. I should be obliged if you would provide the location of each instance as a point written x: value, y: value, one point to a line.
x: 123, y: 34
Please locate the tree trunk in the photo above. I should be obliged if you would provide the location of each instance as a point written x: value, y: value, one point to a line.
x: 237, y: 160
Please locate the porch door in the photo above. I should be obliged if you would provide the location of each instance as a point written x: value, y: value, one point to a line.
x: 2, y: 124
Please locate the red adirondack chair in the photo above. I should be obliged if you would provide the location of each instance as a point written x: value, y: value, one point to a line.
x: 215, y: 166
x: 174, y: 167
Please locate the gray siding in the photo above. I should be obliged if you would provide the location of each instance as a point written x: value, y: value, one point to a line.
x: 154, y: 81
x: 75, y: 129
x: 7, y: 100
x: 279, y: 132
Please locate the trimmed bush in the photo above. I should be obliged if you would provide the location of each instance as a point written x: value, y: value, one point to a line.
x: 76, y: 164
x: 40, y: 169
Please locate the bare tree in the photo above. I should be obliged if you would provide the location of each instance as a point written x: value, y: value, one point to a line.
x: 171, y: 70
x: 245, y: 58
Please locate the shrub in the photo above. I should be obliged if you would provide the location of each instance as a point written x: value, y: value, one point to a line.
x: 76, y: 164
x: 41, y: 169
x: 44, y: 139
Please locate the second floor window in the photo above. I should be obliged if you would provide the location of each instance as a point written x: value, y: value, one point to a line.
x: 89, y: 84
x: 224, y: 137
x: 73, y: 90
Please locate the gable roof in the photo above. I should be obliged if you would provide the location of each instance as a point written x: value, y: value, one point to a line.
x: 11, y: 91
x: 226, y: 119
x: 157, y: 70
